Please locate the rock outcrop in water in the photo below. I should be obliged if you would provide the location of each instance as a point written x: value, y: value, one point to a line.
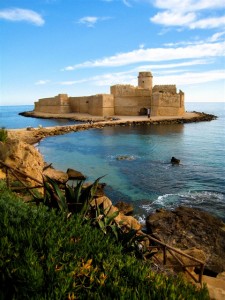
x: 186, y: 228
x: 175, y: 161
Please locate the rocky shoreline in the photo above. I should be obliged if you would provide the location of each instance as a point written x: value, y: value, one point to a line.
x: 34, y: 135
x: 185, y: 228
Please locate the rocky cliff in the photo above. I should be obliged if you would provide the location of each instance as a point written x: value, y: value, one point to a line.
x: 186, y: 228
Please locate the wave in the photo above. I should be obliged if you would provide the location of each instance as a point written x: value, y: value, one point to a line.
x: 209, y: 201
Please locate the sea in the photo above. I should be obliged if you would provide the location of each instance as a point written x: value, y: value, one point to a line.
x: 146, y: 179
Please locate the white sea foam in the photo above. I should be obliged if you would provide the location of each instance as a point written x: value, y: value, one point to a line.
x: 141, y: 219
x: 202, y: 199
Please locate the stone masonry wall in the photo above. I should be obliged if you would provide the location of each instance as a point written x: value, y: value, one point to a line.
x: 129, y: 100
x: 97, y: 105
x: 130, y: 106
x: 170, y: 88
x: 128, y: 91
x: 79, y: 104
x: 56, y: 105
x: 167, y: 104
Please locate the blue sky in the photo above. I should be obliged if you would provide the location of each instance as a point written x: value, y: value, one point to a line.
x: 81, y: 47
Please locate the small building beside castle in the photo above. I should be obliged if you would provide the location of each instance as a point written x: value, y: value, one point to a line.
x: 123, y: 100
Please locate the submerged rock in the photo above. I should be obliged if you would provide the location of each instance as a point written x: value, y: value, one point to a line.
x: 125, y: 157
x: 186, y: 228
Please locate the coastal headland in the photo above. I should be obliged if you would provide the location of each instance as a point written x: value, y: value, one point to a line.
x: 33, y: 135
x: 31, y: 161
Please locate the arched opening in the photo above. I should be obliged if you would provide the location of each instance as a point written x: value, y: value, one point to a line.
x: 143, y: 111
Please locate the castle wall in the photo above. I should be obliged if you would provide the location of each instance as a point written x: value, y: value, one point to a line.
x: 55, y: 105
x: 123, y: 100
x: 97, y: 105
x: 169, y: 88
x: 130, y: 106
x: 167, y: 104
x: 79, y: 104
x: 130, y: 100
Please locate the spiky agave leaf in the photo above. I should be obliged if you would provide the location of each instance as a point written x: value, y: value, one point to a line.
x: 111, y: 217
x: 73, y: 197
x: 78, y: 191
x: 88, y: 194
x: 57, y: 194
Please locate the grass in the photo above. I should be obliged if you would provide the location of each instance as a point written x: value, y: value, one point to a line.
x: 3, y: 134
x: 45, y: 255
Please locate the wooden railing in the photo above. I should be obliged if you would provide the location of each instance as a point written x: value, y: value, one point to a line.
x: 18, y: 175
x: 173, y: 252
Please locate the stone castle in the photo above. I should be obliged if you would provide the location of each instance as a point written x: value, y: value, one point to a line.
x: 123, y: 100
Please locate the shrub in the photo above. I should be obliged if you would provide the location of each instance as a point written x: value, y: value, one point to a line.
x: 45, y: 255
x: 3, y: 134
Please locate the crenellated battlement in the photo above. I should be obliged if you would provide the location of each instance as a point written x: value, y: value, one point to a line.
x: 169, y: 88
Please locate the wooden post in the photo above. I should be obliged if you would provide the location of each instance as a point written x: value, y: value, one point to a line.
x: 164, y: 255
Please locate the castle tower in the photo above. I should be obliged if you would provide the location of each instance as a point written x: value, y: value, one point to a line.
x: 145, y: 80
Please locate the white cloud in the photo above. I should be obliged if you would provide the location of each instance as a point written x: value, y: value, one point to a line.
x: 18, y: 14
x: 156, y: 54
x: 141, y: 46
x: 90, y: 21
x: 173, y: 18
x: 72, y: 82
x: 208, y: 23
x: 180, y: 78
x: 190, y: 13
x: 164, y: 74
x: 127, y: 3
x: 42, y: 82
x: 189, y: 5
x: 190, y: 78
x: 194, y: 62
x: 216, y: 36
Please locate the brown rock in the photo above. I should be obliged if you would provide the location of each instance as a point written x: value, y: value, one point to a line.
x: 75, y: 175
x: 106, y: 204
x: 185, y: 228
x: 25, y: 158
x: 100, y: 188
x: 215, y: 286
x: 59, y: 176
x: 193, y: 252
x: 126, y: 222
x: 125, y: 208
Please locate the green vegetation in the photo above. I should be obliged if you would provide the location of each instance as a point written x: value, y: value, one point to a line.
x: 50, y: 254
x: 3, y: 134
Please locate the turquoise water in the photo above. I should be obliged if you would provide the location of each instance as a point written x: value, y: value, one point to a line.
x: 148, y: 180
x: 10, y: 118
